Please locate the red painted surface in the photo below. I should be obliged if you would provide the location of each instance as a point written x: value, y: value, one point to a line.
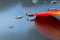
x: 48, y: 13
x: 48, y: 26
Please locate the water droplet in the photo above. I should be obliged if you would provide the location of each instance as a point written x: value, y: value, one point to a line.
x: 53, y: 2
x: 30, y: 14
x: 31, y: 19
x: 10, y: 26
x: 52, y: 9
x: 19, y: 17
x: 35, y: 1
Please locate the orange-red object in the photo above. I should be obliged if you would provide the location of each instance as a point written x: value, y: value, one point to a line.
x: 48, y: 26
x: 48, y: 13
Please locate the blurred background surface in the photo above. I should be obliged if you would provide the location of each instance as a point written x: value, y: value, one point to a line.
x: 22, y: 29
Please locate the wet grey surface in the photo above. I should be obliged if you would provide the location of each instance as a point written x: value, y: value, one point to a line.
x: 23, y: 29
